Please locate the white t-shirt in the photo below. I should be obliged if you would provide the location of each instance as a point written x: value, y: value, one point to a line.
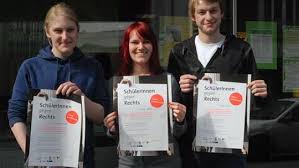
x: 205, y: 51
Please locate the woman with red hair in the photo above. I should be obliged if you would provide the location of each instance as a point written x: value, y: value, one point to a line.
x: 139, y: 56
x: 141, y: 31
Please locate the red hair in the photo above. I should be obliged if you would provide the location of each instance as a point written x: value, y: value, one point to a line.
x: 145, y: 32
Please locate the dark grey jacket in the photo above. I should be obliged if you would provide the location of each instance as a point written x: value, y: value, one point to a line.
x: 235, y: 56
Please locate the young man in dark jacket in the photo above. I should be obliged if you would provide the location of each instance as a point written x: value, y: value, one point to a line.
x: 210, y: 52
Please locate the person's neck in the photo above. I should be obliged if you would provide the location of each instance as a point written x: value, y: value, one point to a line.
x: 213, y: 38
x: 59, y: 55
x: 141, y: 70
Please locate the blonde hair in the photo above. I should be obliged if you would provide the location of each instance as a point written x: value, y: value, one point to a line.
x: 192, y: 3
x: 60, y: 9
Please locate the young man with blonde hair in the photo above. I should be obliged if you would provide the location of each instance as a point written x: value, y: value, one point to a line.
x: 209, y: 51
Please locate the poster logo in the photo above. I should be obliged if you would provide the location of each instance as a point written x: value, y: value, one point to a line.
x: 72, y: 117
x: 235, y: 99
x: 157, y: 100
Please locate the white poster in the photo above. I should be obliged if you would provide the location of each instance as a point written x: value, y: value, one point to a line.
x: 143, y: 117
x: 55, y: 132
x: 221, y: 108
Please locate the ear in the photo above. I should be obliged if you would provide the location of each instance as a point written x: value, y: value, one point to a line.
x: 47, y: 32
x: 222, y: 14
x: 193, y: 18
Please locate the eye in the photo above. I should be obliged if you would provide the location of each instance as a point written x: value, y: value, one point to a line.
x: 58, y: 31
x: 134, y: 42
x: 201, y: 12
x: 213, y: 11
x: 70, y: 30
x: 147, y: 42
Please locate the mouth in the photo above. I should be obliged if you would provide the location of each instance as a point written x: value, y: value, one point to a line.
x: 65, y: 43
x: 209, y: 24
x: 143, y: 52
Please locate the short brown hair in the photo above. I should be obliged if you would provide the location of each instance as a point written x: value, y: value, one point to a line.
x: 191, y: 5
x: 61, y: 9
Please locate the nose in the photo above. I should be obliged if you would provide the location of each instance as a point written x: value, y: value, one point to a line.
x: 64, y: 35
x: 140, y: 45
x: 208, y: 15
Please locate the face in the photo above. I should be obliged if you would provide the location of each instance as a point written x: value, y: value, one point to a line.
x: 207, y: 17
x: 63, y: 34
x: 140, y: 49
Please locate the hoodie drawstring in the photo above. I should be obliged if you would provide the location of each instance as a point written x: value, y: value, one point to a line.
x: 56, y: 79
x: 57, y: 73
x: 69, y: 66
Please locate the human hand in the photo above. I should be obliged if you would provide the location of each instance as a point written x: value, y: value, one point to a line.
x: 110, y: 121
x: 43, y: 94
x: 208, y: 78
x: 179, y: 111
x: 187, y: 82
x: 258, y: 88
x: 67, y: 88
x: 126, y: 81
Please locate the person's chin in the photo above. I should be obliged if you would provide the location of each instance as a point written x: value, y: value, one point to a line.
x: 67, y: 47
x: 141, y: 62
x: 210, y: 31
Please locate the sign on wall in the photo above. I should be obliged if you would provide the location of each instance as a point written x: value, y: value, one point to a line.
x: 262, y: 37
x: 290, y: 59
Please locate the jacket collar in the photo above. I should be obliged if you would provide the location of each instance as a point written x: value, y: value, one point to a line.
x: 190, y: 45
x: 46, y: 53
x: 190, y: 54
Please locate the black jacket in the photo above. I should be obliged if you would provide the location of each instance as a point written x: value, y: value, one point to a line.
x: 235, y: 56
